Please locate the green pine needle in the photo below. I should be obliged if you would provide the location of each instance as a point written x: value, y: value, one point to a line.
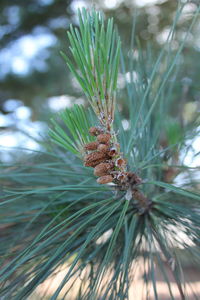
x: 75, y: 133
x: 95, y: 49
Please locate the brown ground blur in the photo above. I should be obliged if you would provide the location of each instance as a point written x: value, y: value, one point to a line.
x: 137, y: 289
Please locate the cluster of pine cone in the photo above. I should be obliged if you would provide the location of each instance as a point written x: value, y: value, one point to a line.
x: 103, y: 155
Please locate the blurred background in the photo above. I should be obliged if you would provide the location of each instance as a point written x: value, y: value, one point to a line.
x: 35, y: 82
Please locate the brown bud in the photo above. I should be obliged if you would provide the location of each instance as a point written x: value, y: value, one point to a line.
x: 112, y: 152
x: 120, y: 162
x: 133, y: 178
x: 91, y: 146
x: 103, y: 148
x: 103, y: 169
x: 141, y: 198
x: 105, y: 179
x: 103, y: 138
x: 95, y: 131
x: 94, y: 158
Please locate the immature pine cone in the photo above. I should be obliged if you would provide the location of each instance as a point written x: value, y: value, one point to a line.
x: 105, y: 179
x: 103, y: 138
x: 103, y: 148
x: 94, y: 158
x: 103, y: 169
x: 112, y: 152
x: 120, y: 162
x: 94, y: 131
x: 91, y: 146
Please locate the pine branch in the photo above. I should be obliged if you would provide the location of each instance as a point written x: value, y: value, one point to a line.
x: 103, y: 233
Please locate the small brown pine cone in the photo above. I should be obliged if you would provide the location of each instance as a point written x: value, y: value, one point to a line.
x: 103, y: 148
x: 112, y: 152
x: 120, y: 162
x: 94, y: 131
x: 94, y: 158
x: 103, y: 138
x: 91, y: 146
x: 94, y: 163
x: 103, y: 169
x: 105, y: 179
